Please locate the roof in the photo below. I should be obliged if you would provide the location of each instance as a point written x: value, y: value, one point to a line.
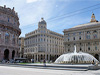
x: 83, y: 26
x: 42, y: 21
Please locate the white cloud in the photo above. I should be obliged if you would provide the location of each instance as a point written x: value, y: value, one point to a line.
x: 30, y: 1
x: 34, y: 11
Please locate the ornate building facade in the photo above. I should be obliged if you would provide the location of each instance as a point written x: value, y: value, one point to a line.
x: 9, y: 33
x: 43, y: 44
x: 86, y: 37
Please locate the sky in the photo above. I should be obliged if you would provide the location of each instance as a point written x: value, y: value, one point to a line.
x: 59, y: 14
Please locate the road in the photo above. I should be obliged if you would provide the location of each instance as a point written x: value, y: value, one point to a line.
x: 7, y: 70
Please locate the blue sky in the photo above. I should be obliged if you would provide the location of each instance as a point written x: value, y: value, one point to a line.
x: 31, y: 11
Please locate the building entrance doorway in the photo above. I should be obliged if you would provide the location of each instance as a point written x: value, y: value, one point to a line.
x: 13, y: 54
x: 97, y: 56
x: 6, y: 54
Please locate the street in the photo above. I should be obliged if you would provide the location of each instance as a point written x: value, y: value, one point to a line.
x: 7, y: 70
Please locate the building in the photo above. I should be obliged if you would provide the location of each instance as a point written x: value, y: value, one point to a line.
x: 21, y: 47
x: 85, y: 36
x: 9, y: 33
x: 43, y: 44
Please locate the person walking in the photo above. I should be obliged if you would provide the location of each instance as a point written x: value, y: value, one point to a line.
x: 44, y: 61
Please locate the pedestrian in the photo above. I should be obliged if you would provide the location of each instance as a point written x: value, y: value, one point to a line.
x: 93, y: 62
x: 44, y: 61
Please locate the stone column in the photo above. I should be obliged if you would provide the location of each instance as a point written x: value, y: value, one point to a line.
x: 85, y: 47
x: 1, y: 55
x: 34, y: 58
x: 10, y: 54
x: 45, y: 56
x: 16, y: 53
x: 84, y: 36
x: 48, y: 57
x: 37, y: 58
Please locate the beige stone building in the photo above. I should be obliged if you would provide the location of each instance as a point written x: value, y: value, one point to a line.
x: 9, y: 33
x: 43, y: 44
x: 86, y: 37
x: 21, y: 47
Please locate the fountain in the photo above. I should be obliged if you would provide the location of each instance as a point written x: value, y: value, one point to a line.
x: 76, y: 58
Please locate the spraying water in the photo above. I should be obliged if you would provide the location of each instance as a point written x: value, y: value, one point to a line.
x: 75, y: 49
x: 76, y: 57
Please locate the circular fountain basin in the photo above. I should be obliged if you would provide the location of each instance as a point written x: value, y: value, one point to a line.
x: 76, y: 58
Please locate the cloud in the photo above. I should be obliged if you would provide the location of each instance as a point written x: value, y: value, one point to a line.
x: 31, y: 11
x: 30, y: 1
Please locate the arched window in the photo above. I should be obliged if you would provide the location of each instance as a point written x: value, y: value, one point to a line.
x: 68, y: 38
x: 88, y: 32
x: 7, y: 38
x: 95, y: 36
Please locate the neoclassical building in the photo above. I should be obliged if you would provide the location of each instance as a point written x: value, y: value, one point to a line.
x: 86, y: 37
x: 9, y: 33
x: 43, y: 44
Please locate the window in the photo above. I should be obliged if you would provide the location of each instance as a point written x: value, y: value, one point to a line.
x: 8, y: 19
x: 95, y: 47
x: 68, y: 50
x: 80, y: 49
x: 68, y: 44
x: 47, y: 40
x: 88, y: 32
x: 88, y: 36
x: 38, y: 39
x: 73, y: 38
x: 88, y: 43
x: 50, y: 41
x: 68, y: 34
x: 41, y: 35
x: 79, y: 37
x: 79, y: 33
x: 41, y: 26
x: 88, y: 48
x: 94, y: 31
x: 73, y: 33
x: 68, y: 39
x: 95, y: 36
x: 6, y: 37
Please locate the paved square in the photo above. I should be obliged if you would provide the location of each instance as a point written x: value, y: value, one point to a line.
x: 7, y: 70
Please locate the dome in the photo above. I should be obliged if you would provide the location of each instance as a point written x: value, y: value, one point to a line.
x: 42, y: 21
x: 76, y: 58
